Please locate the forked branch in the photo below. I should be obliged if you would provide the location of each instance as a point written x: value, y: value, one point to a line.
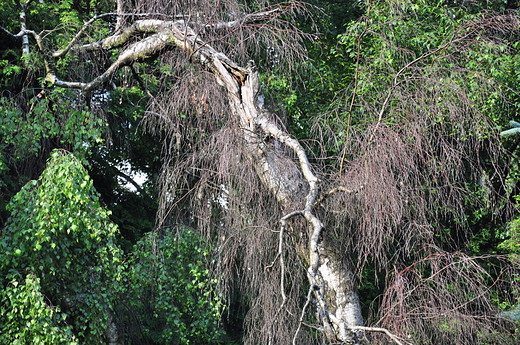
x: 243, y: 89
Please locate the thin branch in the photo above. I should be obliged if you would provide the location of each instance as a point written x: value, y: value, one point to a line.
x: 132, y: 182
x: 307, y: 302
x: 314, y: 222
x: 378, y: 329
x: 335, y: 190
x: 354, y: 92
x: 247, y: 19
x: 283, y: 222
x: 283, y: 225
x: 140, y: 81
x: 49, y: 63
x: 74, y: 40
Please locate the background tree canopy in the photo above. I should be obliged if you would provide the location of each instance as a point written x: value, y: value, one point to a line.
x: 259, y: 172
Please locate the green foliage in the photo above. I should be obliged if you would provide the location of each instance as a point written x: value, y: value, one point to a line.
x: 511, y: 242
x: 401, y: 35
x: 26, y: 318
x: 435, y: 73
x: 59, y: 232
x: 28, y: 132
x: 54, y: 118
x: 9, y: 69
x: 59, y: 249
x: 8, y: 16
x: 171, y: 293
x: 300, y: 97
x: 64, y: 14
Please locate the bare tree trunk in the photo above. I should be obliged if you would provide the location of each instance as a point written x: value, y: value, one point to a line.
x: 341, y: 297
x: 293, y: 183
x: 23, y: 27
x: 332, y: 281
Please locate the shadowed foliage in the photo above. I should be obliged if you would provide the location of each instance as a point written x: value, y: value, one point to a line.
x: 377, y: 193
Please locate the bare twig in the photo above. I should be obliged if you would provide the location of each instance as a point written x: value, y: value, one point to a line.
x: 378, y: 329
x: 335, y: 190
x: 304, y: 309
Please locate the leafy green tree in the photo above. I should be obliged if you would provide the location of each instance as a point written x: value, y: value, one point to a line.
x: 62, y: 243
x: 170, y: 295
x: 398, y: 161
x: 30, y: 131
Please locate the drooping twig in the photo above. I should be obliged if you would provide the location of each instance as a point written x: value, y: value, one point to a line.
x: 378, y: 329
x: 283, y: 225
x: 304, y: 309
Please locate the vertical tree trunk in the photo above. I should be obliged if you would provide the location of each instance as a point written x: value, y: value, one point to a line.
x: 294, y: 186
x: 341, y: 297
x: 292, y: 182
x: 23, y: 27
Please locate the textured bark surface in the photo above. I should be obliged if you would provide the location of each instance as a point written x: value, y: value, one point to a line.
x: 279, y: 160
x: 293, y: 184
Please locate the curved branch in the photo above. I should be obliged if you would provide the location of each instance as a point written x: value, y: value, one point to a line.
x: 247, y: 19
x: 97, y: 45
x: 74, y: 40
x: 394, y: 338
x: 130, y: 180
x: 165, y: 33
x: 145, y: 48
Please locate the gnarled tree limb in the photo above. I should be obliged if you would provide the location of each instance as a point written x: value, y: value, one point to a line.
x: 293, y: 183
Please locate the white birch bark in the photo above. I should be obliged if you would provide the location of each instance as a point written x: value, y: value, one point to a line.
x: 295, y: 185
x: 23, y: 27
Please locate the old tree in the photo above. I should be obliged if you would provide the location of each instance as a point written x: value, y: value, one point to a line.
x: 339, y: 199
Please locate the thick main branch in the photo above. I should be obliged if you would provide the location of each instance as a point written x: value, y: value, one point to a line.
x: 293, y: 183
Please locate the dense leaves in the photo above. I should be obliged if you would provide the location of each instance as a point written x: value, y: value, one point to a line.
x: 170, y: 296
x: 400, y: 104
x: 60, y: 239
x: 63, y: 267
x: 26, y: 316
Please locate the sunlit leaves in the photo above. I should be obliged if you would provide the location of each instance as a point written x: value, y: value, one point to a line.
x: 59, y: 232
x: 25, y: 316
x: 53, y: 118
x: 171, y: 291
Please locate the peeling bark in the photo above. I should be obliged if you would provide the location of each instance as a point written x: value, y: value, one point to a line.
x: 341, y: 296
x: 23, y: 27
x: 291, y: 185
x: 292, y: 182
